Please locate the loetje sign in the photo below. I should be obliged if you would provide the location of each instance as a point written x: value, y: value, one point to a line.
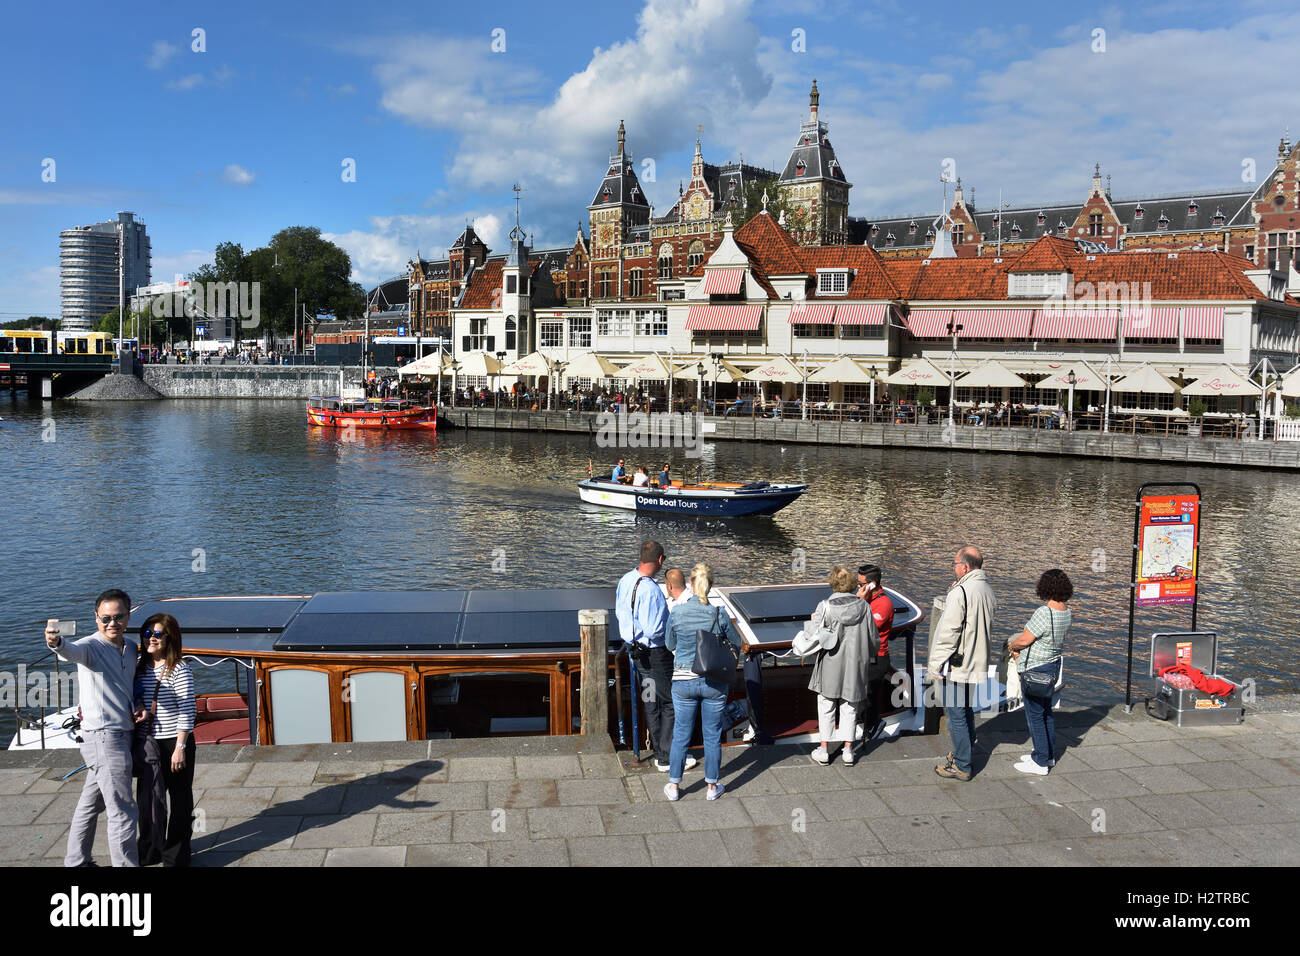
x: 1168, y: 539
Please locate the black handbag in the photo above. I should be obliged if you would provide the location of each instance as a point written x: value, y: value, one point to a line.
x: 1040, y: 681
x: 715, y: 659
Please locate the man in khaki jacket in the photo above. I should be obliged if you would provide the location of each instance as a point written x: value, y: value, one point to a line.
x: 965, y: 628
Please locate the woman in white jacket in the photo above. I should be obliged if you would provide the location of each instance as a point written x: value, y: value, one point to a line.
x: 840, y: 675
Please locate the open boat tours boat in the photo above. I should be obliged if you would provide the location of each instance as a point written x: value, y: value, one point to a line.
x: 390, y: 413
x: 416, y: 665
x: 727, y: 499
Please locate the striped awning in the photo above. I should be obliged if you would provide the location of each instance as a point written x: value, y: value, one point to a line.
x: 811, y: 314
x: 994, y: 323
x: 1151, y: 322
x: 929, y: 323
x: 724, y: 318
x: 860, y: 313
x: 1204, y: 322
x: 1075, y: 324
x: 723, y: 281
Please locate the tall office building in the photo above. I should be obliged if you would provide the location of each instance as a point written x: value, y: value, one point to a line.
x: 88, y: 266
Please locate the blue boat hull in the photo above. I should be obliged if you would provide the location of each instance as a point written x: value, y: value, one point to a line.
x: 762, y: 499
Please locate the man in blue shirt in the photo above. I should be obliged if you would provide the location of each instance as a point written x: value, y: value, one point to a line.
x: 619, y: 471
x: 642, y: 613
x: 105, y: 689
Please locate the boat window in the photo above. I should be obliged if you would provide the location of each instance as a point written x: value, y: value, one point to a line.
x: 487, y: 704
x: 378, y: 702
x: 300, y: 706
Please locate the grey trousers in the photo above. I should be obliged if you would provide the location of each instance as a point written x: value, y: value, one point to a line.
x: 107, y: 756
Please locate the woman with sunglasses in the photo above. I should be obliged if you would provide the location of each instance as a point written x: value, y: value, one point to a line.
x: 164, y: 687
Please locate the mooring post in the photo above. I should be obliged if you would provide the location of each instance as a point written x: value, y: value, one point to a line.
x: 593, y: 626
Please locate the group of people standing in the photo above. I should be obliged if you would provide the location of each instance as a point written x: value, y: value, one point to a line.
x: 137, y: 720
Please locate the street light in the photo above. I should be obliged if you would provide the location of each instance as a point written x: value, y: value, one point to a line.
x: 455, y: 367
x: 1069, y: 419
x: 556, y: 367
x: 717, y: 367
x: 699, y: 390
x: 953, y: 329
x: 496, y: 392
x: 1105, y: 412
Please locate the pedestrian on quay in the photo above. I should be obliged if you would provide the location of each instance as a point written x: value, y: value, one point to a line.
x: 840, y: 674
x: 106, y: 663
x: 692, y: 693
x: 642, y: 613
x: 882, y: 616
x: 959, y: 656
x: 165, y: 747
x: 1037, y: 652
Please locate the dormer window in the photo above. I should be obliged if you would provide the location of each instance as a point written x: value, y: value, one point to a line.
x: 1015, y: 229
x: 1218, y: 217
x: 875, y: 230
x: 889, y: 238
x: 1061, y: 227
x: 911, y: 228
x: 1042, y: 217
x: 1037, y: 285
x: 996, y: 219
x: 731, y: 186
x: 1139, y: 212
x: 1192, y: 207
x: 1162, y: 222
x: 799, y: 168
x: 606, y: 196
x: 832, y: 281
x: 929, y: 233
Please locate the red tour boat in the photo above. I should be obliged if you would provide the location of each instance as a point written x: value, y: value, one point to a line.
x: 370, y: 413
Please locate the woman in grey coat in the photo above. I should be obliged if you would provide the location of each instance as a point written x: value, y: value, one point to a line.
x: 840, y: 674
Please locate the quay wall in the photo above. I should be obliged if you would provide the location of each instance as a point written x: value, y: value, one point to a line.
x: 1283, y: 456
x: 248, y: 381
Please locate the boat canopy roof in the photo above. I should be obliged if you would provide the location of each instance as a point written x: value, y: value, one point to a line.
x: 521, y: 620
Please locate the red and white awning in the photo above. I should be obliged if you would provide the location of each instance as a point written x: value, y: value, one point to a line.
x: 1075, y: 324
x: 724, y: 318
x: 993, y: 323
x: 929, y: 323
x: 811, y: 314
x: 1203, y: 322
x: 723, y: 281
x: 860, y: 313
x: 1151, y: 322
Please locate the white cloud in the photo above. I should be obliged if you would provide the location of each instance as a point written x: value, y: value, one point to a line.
x: 184, y: 84
x: 933, y: 82
x: 160, y: 54
x: 237, y: 175
x: 382, y: 251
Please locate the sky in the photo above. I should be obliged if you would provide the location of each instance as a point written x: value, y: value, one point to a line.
x: 389, y: 126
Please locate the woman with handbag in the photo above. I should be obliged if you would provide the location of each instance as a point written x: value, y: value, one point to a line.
x: 165, y: 750
x: 1038, y: 656
x: 841, y: 675
x: 701, y: 640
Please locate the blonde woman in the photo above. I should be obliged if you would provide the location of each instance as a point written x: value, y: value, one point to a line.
x: 841, y: 673
x: 691, y: 692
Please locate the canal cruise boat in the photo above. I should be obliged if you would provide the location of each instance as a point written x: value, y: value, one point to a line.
x: 414, y: 665
x: 711, y: 499
x: 388, y: 414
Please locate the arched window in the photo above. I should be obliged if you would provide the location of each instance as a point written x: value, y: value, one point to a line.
x: 511, y: 333
x: 666, y: 261
x: 695, y: 255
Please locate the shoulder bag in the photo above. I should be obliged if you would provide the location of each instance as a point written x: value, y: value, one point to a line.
x: 715, y: 658
x: 1039, y: 681
x: 144, y: 748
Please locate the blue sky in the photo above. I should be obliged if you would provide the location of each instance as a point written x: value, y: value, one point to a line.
x: 249, y: 136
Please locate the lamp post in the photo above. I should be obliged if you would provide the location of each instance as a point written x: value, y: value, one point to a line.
x: 496, y: 392
x: 871, y: 411
x: 556, y: 367
x: 455, y: 367
x: 953, y: 329
x: 670, y: 378
x: 1105, y: 411
x: 438, y: 394
x: 804, y: 370
x: 1069, y: 417
x: 699, y: 389
x: 717, y: 367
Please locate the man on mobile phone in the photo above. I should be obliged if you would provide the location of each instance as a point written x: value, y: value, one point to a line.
x: 106, y: 664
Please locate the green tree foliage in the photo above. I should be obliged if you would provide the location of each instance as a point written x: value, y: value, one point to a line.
x: 753, y: 201
x: 33, y: 322
x: 295, y: 258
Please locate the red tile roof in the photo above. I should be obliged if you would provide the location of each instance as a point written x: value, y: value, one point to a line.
x: 1046, y: 254
x: 483, y: 284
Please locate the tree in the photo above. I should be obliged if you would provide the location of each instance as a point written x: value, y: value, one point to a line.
x: 33, y: 322
x: 753, y: 201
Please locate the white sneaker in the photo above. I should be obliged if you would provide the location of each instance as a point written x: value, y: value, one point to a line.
x: 820, y: 755
x: 689, y: 765
x: 716, y: 792
x: 1027, y: 758
x: 1028, y: 766
x: 672, y: 792
x: 847, y: 757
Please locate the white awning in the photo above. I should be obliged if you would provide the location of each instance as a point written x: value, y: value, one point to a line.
x: 1085, y: 377
x: 991, y: 375
x: 780, y: 369
x: 843, y: 370
x: 918, y: 372
x: 534, y: 363
x: 1220, y: 380
x: 1145, y: 378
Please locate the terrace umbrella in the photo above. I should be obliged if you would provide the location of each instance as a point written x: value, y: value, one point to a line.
x: 843, y: 370
x: 652, y: 367
x: 1290, y: 385
x: 992, y: 375
x: 918, y: 372
x: 535, y: 363
x: 1145, y: 378
x: 1086, y: 377
x: 431, y: 364
x: 1221, y: 380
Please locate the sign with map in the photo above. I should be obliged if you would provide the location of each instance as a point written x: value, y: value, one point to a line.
x: 1168, y: 536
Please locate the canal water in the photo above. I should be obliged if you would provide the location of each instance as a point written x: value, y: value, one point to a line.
x: 178, y: 498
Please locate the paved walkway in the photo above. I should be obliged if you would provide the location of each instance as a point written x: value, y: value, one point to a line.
x: 1128, y: 790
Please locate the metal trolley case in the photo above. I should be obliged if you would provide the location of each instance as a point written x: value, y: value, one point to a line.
x: 1189, y: 707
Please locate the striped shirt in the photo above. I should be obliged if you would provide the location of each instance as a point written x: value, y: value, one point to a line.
x: 1050, y: 627
x: 175, y: 711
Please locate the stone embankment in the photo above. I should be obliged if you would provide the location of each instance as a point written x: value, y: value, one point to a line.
x: 249, y: 381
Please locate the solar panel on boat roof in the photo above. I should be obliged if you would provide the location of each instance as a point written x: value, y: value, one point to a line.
x: 539, y: 599
x: 223, y: 614
x: 371, y: 631
x: 778, y: 604
x: 386, y: 602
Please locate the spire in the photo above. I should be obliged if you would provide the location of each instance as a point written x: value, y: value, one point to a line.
x: 622, y: 137
x: 1284, y: 147
x: 1096, y: 179
x: 957, y: 199
x: 765, y: 202
x: 813, y: 98
x: 728, y: 225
